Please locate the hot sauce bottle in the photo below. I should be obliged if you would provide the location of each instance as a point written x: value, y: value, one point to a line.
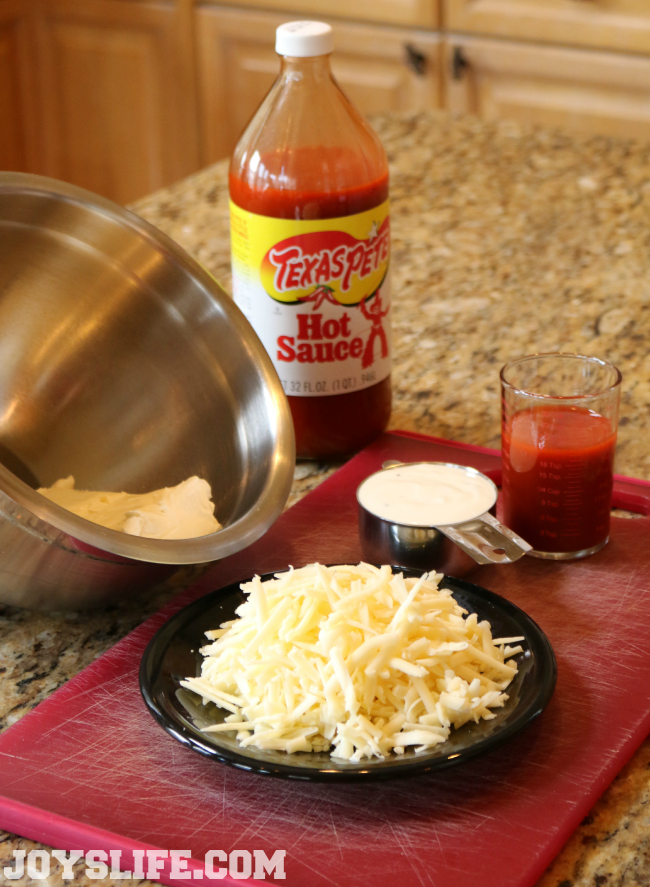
x: 310, y: 248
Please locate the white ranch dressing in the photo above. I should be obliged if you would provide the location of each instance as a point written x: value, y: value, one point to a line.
x: 426, y: 494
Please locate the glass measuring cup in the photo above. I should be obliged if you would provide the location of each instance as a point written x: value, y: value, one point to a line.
x: 558, y: 436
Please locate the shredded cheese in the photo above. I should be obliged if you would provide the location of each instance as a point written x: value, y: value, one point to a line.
x: 355, y: 660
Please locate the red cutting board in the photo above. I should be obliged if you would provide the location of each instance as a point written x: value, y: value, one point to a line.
x: 90, y: 769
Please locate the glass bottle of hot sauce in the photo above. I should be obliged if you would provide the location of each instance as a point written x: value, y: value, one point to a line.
x: 310, y: 248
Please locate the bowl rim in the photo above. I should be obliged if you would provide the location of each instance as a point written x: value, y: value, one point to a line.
x: 53, y: 523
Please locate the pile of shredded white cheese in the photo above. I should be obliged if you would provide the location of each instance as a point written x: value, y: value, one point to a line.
x: 356, y: 659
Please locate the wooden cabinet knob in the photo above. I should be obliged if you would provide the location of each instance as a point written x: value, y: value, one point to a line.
x: 415, y: 60
x: 459, y: 63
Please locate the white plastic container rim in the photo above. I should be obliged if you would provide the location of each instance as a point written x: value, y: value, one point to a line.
x: 304, y: 39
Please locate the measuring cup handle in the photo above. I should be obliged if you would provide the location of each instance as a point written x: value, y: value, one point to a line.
x: 487, y: 541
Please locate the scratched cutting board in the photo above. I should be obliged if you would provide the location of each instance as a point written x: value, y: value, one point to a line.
x: 89, y: 768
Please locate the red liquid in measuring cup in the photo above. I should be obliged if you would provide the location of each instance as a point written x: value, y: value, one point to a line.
x: 557, y: 477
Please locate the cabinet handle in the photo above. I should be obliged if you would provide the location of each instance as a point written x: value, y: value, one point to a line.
x: 415, y: 60
x: 459, y: 63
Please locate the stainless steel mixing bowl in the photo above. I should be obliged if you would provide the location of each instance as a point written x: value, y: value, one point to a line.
x: 124, y: 363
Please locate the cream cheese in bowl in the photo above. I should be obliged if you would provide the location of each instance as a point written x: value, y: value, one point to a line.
x: 185, y: 511
x: 427, y: 494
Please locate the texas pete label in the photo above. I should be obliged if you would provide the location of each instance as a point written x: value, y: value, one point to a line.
x: 316, y: 292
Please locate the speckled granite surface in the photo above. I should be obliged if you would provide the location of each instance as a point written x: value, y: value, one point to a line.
x: 506, y: 240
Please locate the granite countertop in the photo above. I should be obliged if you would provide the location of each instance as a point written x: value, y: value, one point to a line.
x: 506, y: 240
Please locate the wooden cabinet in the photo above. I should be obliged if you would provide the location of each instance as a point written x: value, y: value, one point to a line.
x: 577, y: 90
x: 125, y: 96
x: 118, y: 100
x: 622, y: 25
x: 380, y: 69
x: 410, y: 13
x: 18, y: 92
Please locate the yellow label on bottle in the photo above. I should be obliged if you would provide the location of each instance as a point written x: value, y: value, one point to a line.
x: 299, y: 260
x: 316, y: 293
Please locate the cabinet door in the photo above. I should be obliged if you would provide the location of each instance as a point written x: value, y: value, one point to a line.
x: 410, y: 13
x: 611, y: 24
x: 579, y: 90
x: 119, y: 107
x: 380, y: 69
x: 18, y: 94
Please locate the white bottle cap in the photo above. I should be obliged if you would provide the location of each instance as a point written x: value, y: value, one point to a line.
x: 304, y: 39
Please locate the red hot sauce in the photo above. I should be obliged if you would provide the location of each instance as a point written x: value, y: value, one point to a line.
x: 557, y: 477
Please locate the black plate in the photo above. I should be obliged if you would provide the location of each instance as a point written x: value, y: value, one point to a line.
x: 173, y: 654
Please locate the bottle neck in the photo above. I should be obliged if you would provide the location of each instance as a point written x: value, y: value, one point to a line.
x: 314, y: 68
x: 308, y: 153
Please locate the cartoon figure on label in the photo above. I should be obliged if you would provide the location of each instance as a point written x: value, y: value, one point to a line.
x: 321, y: 294
x: 375, y: 315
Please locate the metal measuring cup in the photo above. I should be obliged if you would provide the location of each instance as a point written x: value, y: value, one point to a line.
x: 455, y: 548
